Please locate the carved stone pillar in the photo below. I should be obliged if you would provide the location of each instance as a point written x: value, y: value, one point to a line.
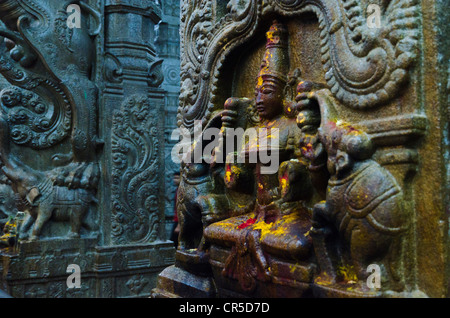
x: 361, y: 187
x: 168, y: 43
x: 82, y: 147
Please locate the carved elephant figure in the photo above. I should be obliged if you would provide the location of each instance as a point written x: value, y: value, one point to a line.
x: 59, y: 203
x: 197, y: 206
x: 203, y: 192
x: 363, y: 206
x: 63, y: 193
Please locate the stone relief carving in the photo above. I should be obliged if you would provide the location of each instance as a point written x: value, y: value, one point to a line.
x: 112, y: 70
x: 341, y: 199
x: 51, y: 76
x: 364, y: 204
x: 277, y: 201
x: 53, y: 98
x: 135, y: 154
x: 136, y: 284
x: 382, y: 55
x: 80, y: 145
x: 350, y: 141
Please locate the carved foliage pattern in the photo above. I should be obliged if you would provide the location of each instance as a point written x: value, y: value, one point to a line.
x: 135, y: 152
x: 34, y: 122
x: 377, y: 60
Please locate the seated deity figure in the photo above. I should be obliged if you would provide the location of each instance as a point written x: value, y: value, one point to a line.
x: 275, y: 137
x: 278, y: 223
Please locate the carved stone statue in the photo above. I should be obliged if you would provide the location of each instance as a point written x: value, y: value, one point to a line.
x: 356, y: 196
x: 201, y: 198
x: 56, y: 193
x: 278, y: 221
x: 363, y: 218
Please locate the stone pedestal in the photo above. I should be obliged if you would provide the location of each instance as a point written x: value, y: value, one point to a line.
x: 191, y: 275
x: 40, y: 269
x: 175, y: 282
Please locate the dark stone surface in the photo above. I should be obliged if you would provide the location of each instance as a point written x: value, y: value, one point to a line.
x: 82, y: 148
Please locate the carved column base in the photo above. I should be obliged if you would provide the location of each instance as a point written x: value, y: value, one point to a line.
x: 39, y: 269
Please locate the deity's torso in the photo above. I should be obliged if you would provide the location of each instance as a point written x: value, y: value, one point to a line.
x: 269, y: 144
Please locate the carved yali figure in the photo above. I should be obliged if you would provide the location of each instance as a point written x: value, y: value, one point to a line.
x: 52, y: 104
x: 362, y: 220
x: 278, y: 223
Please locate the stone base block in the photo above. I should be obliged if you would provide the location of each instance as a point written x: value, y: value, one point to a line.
x: 40, y: 269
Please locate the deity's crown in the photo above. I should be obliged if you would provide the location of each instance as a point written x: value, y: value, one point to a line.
x: 275, y: 64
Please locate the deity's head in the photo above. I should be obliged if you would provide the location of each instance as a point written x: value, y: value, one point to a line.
x: 272, y: 77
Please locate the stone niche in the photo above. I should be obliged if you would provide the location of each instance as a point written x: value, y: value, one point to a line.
x: 354, y: 93
x: 82, y: 148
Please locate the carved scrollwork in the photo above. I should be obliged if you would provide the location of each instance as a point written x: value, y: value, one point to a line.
x: 198, y: 69
x: 155, y: 74
x: 364, y: 67
x: 377, y: 60
x: 38, y: 109
x: 238, y: 9
x: 13, y: 10
x: 48, y: 66
x: 33, y: 121
x: 135, y: 151
x: 112, y: 69
x: 52, y: 102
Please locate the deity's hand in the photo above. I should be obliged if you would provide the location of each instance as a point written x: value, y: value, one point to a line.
x: 237, y: 176
x: 304, y: 95
x: 305, y: 92
x: 308, y: 118
x: 312, y: 149
x: 229, y: 115
x: 232, y: 171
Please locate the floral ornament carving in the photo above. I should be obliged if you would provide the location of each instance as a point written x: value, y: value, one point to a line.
x: 35, y: 122
x: 203, y: 41
x: 136, y: 284
x: 135, y: 152
x: 376, y: 61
